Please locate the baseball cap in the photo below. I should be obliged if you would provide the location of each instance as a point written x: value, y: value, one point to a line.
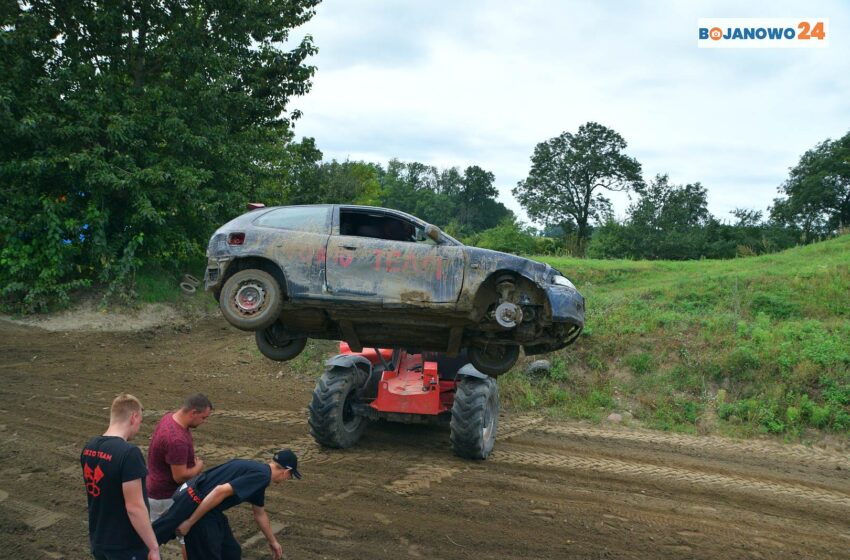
x: 288, y: 460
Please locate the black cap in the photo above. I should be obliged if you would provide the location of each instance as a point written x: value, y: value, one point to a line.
x: 288, y: 460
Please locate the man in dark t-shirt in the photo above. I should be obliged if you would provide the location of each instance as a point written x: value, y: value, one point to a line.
x: 199, y: 506
x: 114, y: 476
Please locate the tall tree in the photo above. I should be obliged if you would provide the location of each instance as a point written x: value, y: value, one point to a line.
x: 476, y: 188
x: 818, y: 190
x: 134, y: 128
x: 569, y: 174
x: 347, y: 182
x: 668, y: 221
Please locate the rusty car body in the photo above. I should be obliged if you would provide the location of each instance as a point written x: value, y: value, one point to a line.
x: 376, y: 277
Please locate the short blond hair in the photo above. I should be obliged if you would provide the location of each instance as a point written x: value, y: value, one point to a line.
x: 123, y: 407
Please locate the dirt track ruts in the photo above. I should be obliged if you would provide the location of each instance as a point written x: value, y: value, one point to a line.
x: 550, y: 490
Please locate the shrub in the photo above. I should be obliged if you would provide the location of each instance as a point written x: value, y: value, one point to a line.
x: 558, y: 371
x: 776, y: 305
x: 741, y: 362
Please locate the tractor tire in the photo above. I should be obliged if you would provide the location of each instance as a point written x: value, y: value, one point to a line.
x: 331, y: 418
x: 494, y: 359
x: 475, y: 417
x: 277, y: 344
x: 251, y: 300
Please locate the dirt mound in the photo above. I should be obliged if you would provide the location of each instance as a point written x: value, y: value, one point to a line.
x: 88, y: 317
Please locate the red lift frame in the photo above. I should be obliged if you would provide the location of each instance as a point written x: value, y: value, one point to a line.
x: 413, y: 387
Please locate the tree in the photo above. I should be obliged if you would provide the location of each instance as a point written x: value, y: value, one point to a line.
x: 818, y: 190
x: 668, y: 221
x: 475, y: 187
x: 509, y: 236
x: 444, y: 198
x: 333, y: 182
x: 569, y: 173
x: 133, y: 129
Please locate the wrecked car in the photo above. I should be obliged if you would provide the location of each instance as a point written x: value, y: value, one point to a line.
x: 376, y: 277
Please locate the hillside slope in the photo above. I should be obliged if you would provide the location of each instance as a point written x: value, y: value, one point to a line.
x: 752, y: 344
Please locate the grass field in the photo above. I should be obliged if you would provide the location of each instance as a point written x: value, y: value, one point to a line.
x: 745, y: 345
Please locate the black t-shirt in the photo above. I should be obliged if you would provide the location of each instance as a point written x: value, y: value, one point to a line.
x: 108, y: 462
x: 249, y: 480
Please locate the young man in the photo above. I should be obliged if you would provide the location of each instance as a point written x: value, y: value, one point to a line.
x: 171, y: 456
x: 199, y: 506
x: 114, y: 476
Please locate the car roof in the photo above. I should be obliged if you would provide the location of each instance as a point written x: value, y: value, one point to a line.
x: 355, y: 207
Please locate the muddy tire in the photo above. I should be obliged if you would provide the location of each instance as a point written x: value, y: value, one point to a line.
x: 331, y: 418
x: 494, y: 359
x: 251, y: 300
x: 275, y: 343
x: 475, y: 417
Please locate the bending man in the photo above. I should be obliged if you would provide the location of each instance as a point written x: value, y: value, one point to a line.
x: 199, y: 506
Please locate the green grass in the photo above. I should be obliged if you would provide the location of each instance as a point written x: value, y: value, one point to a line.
x: 158, y: 287
x: 664, y: 338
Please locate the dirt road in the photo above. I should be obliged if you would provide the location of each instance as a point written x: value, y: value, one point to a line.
x: 550, y: 490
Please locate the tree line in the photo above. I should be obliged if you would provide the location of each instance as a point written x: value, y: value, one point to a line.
x: 462, y: 202
x: 571, y: 173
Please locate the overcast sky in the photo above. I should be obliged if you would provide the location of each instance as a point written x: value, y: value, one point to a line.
x: 458, y: 83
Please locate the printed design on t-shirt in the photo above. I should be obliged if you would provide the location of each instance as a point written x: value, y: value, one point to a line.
x: 92, y: 477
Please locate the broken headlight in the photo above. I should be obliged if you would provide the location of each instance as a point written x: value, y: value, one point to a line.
x: 559, y: 280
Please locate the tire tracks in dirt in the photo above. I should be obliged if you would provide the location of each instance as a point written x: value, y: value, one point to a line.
x: 33, y: 515
x: 792, y: 453
x: 651, y: 472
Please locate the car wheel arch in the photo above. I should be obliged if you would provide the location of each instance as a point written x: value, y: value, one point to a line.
x: 487, y: 289
x: 260, y: 263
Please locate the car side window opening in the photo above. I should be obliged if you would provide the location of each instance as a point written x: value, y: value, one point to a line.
x: 378, y: 226
x: 311, y: 219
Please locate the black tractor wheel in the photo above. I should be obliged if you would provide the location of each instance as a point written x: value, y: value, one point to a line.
x: 251, y: 300
x: 331, y: 415
x: 493, y: 359
x: 275, y: 343
x: 475, y: 417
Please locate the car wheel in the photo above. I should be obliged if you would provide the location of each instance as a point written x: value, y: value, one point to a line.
x: 332, y: 420
x: 493, y: 359
x: 275, y: 343
x: 251, y: 300
x: 475, y: 417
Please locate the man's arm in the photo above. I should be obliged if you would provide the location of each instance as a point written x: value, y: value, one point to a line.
x: 215, y: 497
x: 182, y: 473
x: 262, y: 519
x: 134, y: 501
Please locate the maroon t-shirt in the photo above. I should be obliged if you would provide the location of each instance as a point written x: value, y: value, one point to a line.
x: 171, y: 444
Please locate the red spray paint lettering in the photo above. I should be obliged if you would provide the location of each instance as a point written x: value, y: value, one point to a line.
x: 392, y: 261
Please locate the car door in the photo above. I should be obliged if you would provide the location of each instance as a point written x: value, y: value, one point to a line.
x: 402, y: 270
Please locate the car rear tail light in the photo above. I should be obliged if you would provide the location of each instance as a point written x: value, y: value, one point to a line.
x: 237, y: 238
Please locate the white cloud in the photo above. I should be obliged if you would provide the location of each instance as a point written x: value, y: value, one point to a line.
x: 463, y: 83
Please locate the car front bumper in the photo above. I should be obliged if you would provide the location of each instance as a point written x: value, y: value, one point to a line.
x: 567, y: 305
